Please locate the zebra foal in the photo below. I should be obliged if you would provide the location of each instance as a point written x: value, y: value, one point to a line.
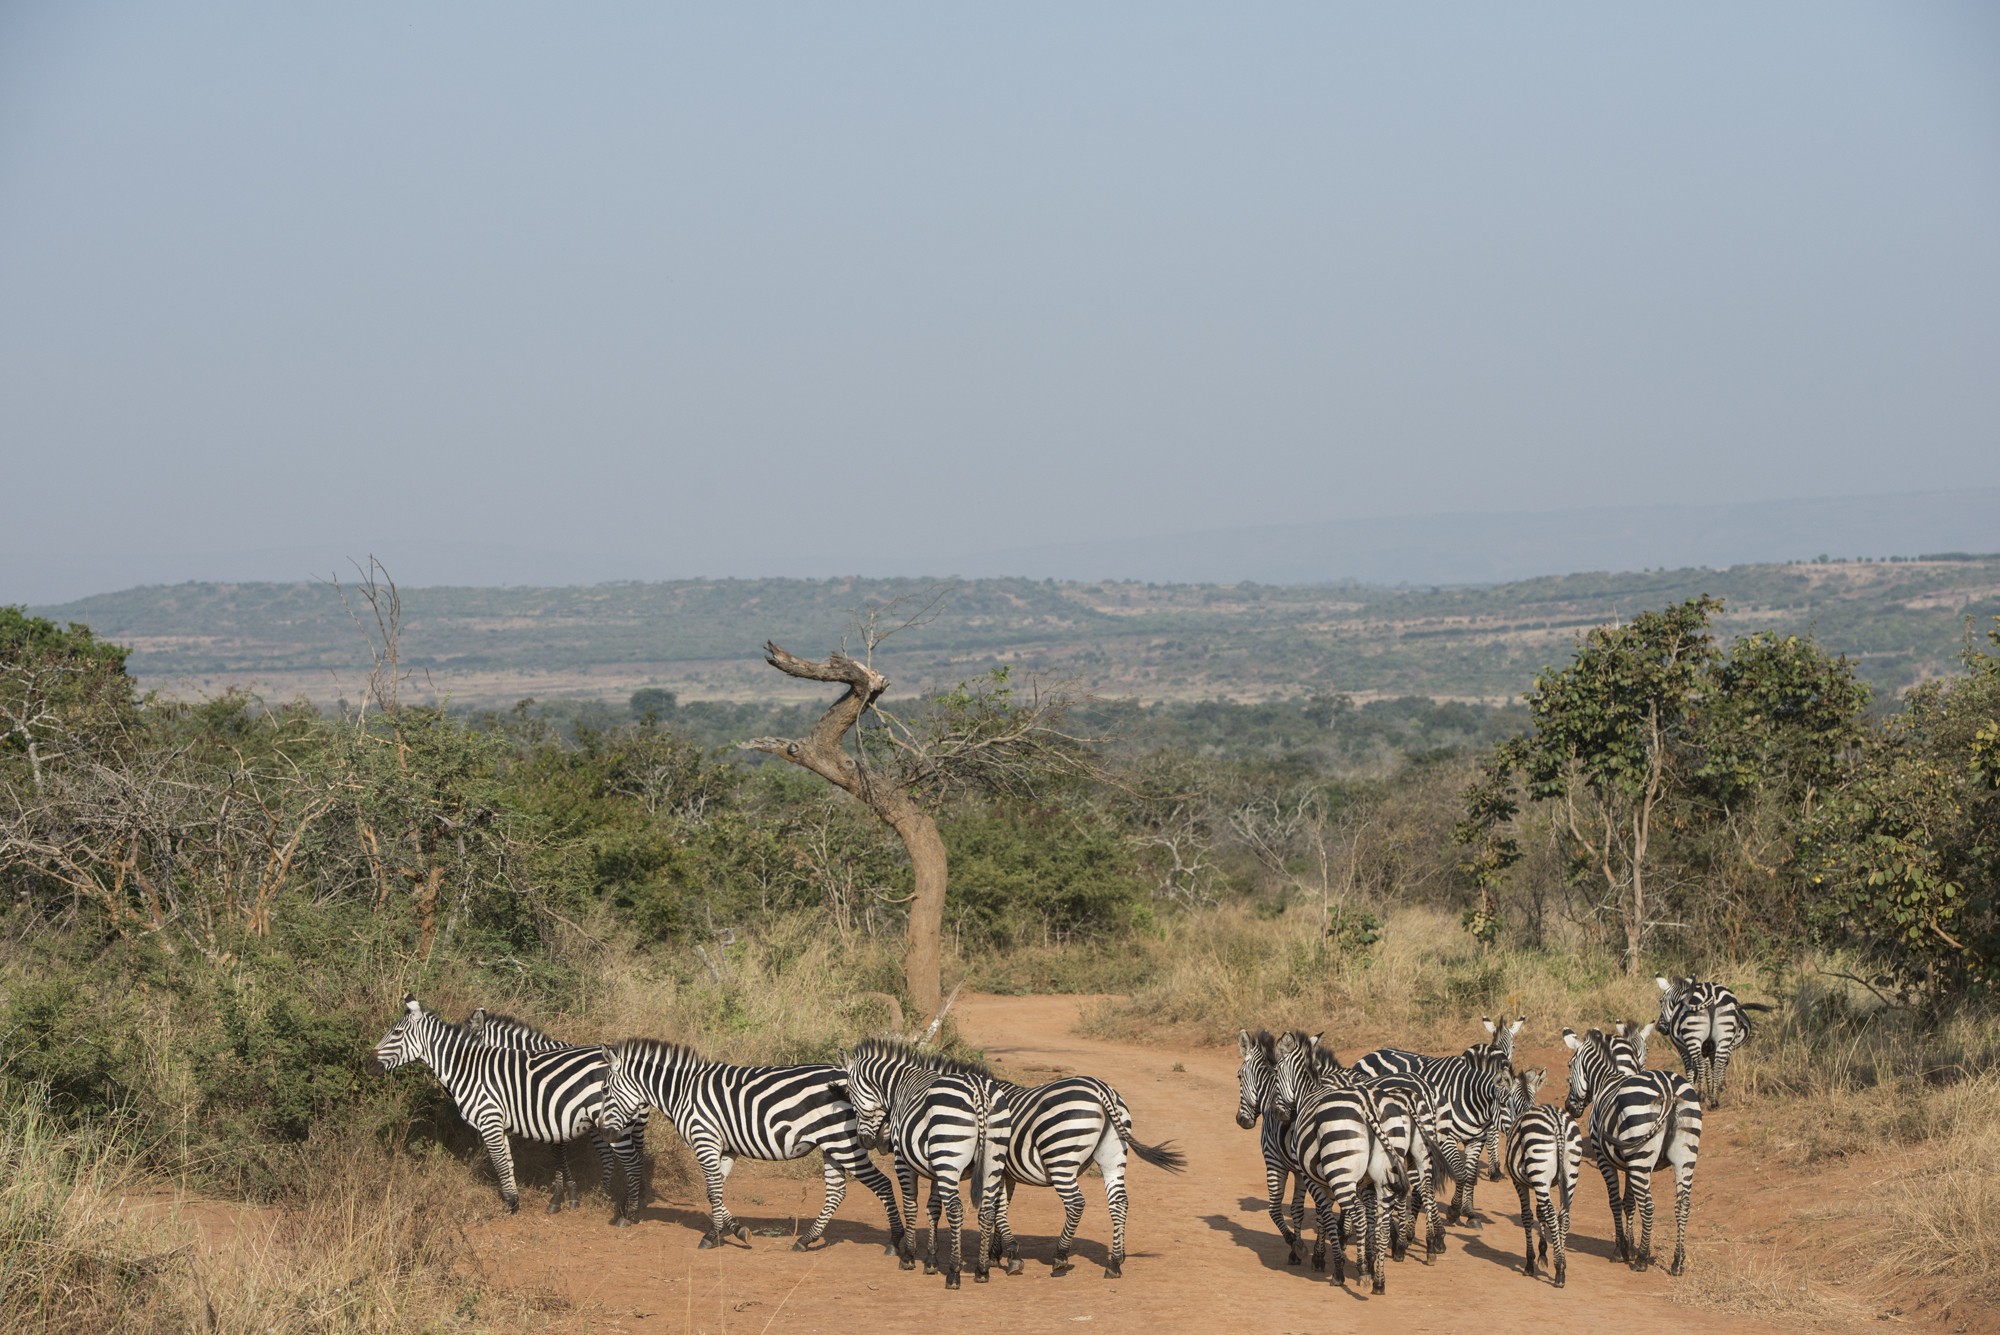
x: 552, y: 1097
x: 1640, y: 1123
x: 1544, y: 1157
x: 727, y: 1112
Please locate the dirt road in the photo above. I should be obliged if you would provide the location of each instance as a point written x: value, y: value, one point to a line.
x: 1202, y: 1253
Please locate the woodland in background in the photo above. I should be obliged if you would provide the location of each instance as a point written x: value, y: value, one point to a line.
x: 211, y: 908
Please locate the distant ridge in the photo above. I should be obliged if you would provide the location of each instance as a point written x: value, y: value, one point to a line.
x: 1489, y: 548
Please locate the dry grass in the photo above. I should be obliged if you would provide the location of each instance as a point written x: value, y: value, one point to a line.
x: 1759, y: 1280
x: 367, y: 1242
x: 1425, y: 982
x: 1942, y: 1222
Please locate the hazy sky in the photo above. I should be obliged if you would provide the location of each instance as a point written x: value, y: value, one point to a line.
x: 730, y: 289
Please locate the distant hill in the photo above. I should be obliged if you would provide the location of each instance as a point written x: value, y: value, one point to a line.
x: 1902, y: 621
x: 1481, y: 548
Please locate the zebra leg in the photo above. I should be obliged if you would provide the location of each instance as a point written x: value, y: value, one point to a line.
x: 626, y: 1151
x: 1324, y: 1225
x: 1433, y: 1223
x: 1527, y: 1224
x: 1006, y: 1246
x: 1683, y: 1200
x: 715, y: 1168
x: 931, y: 1240
x: 906, y: 1178
x: 1379, y: 1208
x: 1545, y: 1210
x: 1274, y: 1187
x: 1116, y: 1204
x: 494, y: 1134
x: 1489, y: 1150
x: 954, y: 1217
x: 1610, y: 1171
x: 1639, y: 1185
x: 863, y: 1170
x: 563, y: 1174
x: 1336, y: 1225
x: 1562, y: 1241
x: 836, y: 1192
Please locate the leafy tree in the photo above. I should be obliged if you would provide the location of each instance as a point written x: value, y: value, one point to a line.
x: 1905, y: 857
x: 60, y: 689
x: 1605, y: 729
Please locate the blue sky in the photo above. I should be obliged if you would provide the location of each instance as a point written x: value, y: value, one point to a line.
x: 654, y: 290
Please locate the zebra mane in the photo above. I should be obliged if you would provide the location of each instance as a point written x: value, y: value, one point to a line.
x: 904, y: 1050
x: 502, y: 1020
x: 1266, y: 1044
x: 657, y: 1049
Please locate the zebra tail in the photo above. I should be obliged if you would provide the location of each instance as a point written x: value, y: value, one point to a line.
x: 1163, y: 1155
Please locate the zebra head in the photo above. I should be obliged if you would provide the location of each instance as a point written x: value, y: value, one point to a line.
x: 408, y: 1041
x: 1255, y: 1078
x: 868, y: 1091
x: 625, y: 1095
x: 1597, y: 1061
x: 1501, y: 1039
x: 1631, y: 1038
x: 1672, y: 992
x: 1296, y: 1067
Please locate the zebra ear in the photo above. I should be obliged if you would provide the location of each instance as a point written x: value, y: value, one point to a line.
x: 1317, y: 1037
x: 1531, y: 1080
x: 1243, y: 1043
x: 410, y: 1003
x: 1647, y: 1032
x: 1492, y: 1029
x: 1571, y: 1041
x: 1661, y: 979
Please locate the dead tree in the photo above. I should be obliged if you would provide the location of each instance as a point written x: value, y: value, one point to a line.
x: 972, y: 738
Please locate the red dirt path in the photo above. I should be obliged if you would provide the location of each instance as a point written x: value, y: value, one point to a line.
x: 1202, y: 1253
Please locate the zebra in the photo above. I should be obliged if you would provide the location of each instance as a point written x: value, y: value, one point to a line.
x: 552, y: 1097
x: 727, y: 1112
x: 945, y: 1120
x: 1256, y: 1080
x: 496, y: 1030
x: 1468, y: 1093
x: 1640, y: 1122
x: 1544, y: 1157
x: 1059, y: 1129
x: 1705, y: 1022
x: 1354, y: 1142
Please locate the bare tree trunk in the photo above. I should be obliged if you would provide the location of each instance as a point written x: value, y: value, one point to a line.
x: 824, y: 753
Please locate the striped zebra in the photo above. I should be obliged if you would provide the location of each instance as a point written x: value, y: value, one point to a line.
x: 551, y: 1097
x: 1468, y: 1092
x: 1640, y: 1122
x: 1256, y: 1082
x: 727, y: 1112
x: 1353, y: 1142
x: 1059, y: 1129
x: 496, y: 1030
x: 1544, y: 1157
x: 1705, y: 1022
x: 945, y: 1120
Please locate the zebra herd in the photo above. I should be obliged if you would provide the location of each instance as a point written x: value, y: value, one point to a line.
x: 941, y: 1119
x: 1367, y: 1142
x: 1370, y: 1143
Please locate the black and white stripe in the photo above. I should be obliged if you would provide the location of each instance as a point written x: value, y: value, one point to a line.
x: 496, y: 1030
x: 1256, y: 1106
x: 1468, y: 1094
x: 945, y: 1120
x: 726, y: 1112
x: 1353, y: 1142
x: 1544, y: 1157
x: 1640, y: 1123
x: 552, y: 1097
x: 1705, y: 1022
x: 1059, y: 1129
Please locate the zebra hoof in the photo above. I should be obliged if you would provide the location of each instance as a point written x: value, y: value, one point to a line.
x: 951, y: 1281
x: 1678, y: 1268
x: 707, y: 1240
x: 1291, y: 1258
x: 742, y: 1232
x: 1380, y: 1287
x: 906, y: 1263
x: 931, y: 1269
x: 620, y: 1221
x: 1062, y: 1266
x: 1014, y: 1266
x: 513, y: 1206
x: 1114, y: 1271
x: 555, y: 1206
x: 982, y: 1277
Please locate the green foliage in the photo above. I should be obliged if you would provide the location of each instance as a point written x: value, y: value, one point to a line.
x: 1038, y: 874
x: 1905, y: 857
